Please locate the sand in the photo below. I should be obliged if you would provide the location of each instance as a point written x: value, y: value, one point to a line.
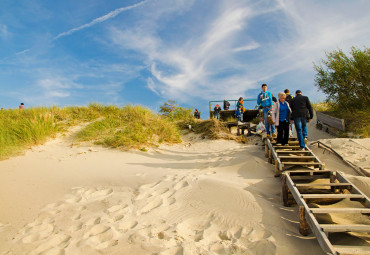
x: 197, y: 197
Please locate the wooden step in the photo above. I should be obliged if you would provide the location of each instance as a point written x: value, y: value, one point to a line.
x: 349, y: 249
x: 308, y: 177
x: 297, y: 157
x: 316, y: 196
x: 292, y: 152
x: 338, y: 184
x: 308, y: 172
x: 341, y: 186
x: 302, y: 163
x: 339, y: 210
x: 287, y: 147
x: 345, y: 228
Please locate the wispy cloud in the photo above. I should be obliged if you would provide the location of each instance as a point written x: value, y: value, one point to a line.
x: 101, y: 19
x: 4, y: 33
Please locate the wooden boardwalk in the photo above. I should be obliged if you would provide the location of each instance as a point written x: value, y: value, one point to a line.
x: 310, y: 187
x: 289, y: 155
x: 305, y: 181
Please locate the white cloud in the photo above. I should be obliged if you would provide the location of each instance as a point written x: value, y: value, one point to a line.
x: 101, y: 19
x: 250, y: 46
x: 4, y: 33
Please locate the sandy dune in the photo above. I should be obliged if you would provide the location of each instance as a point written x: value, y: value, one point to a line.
x: 198, y: 197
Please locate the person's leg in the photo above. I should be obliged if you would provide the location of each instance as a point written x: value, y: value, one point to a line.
x: 267, y: 124
x: 280, y: 133
x: 304, y: 127
x: 285, y: 132
x: 273, y: 129
x: 298, y: 128
x: 291, y: 130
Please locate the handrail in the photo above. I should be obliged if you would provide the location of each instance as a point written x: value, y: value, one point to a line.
x: 233, y: 100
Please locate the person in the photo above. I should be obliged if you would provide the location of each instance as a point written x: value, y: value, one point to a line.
x: 240, y: 104
x: 281, y: 116
x: 197, y: 114
x: 288, y: 99
x: 239, y: 114
x: 265, y: 100
x: 300, y: 105
x: 274, y: 98
x: 21, y: 106
x: 217, y: 110
x: 226, y: 105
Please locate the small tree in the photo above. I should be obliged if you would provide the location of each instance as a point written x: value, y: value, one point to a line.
x: 168, y: 108
x: 346, y: 80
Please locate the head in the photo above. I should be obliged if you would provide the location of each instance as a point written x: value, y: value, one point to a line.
x: 240, y: 99
x: 286, y: 91
x: 196, y: 110
x: 22, y: 103
x: 298, y: 92
x: 282, y: 97
x: 240, y: 108
x: 264, y: 87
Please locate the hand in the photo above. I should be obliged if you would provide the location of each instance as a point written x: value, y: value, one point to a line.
x: 261, y: 96
x: 309, y: 120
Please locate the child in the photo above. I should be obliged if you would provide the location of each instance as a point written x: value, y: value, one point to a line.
x: 239, y: 114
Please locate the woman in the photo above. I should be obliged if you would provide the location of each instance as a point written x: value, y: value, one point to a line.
x: 281, y: 115
x: 240, y: 104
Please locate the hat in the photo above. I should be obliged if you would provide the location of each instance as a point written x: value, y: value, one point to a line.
x: 298, y: 92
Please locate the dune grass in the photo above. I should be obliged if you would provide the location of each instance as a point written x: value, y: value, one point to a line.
x: 130, y: 127
x: 111, y: 126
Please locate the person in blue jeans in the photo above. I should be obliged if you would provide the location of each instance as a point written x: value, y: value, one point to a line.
x: 265, y: 100
x: 301, y: 107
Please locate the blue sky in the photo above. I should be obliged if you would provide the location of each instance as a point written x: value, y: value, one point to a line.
x: 146, y: 52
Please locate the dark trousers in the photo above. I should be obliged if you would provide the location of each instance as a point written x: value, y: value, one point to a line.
x: 283, y: 132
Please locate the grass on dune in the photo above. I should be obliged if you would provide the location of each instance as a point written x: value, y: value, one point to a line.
x: 127, y: 127
x: 130, y: 127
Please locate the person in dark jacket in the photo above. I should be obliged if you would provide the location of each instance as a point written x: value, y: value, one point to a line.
x: 217, y: 110
x: 288, y: 99
x: 197, y: 114
x: 226, y: 105
x: 300, y: 105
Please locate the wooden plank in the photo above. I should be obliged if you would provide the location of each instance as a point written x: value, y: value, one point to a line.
x: 330, y: 120
x: 302, y: 163
x: 355, y: 190
x: 297, y: 157
x: 323, y: 184
x: 319, y: 196
x: 345, y: 228
x: 293, y: 152
x: 309, y: 172
x: 308, y: 177
x: 303, y: 224
x: 350, y: 249
x: 339, y: 210
x: 314, y: 225
x: 287, y: 147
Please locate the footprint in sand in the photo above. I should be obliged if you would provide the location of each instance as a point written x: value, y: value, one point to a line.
x: 180, y: 185
x: 156, y: 202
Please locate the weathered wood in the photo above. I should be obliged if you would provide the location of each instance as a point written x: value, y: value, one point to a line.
x: 303, y: 225
x: 354, y: 190
x: 337, y: 184
x: 345, y: 228
x: 277, y: 171
x: 308, y: 177
x: 339, y: 210
x: 330, y: 121
x: 284, y: 190
x: 270, y: 156
x: 319, y: 196
x: 297, y: 157
x: 292, y: 152
x: 287, y: 147
x: 266, y: 150
x: 350, y: 249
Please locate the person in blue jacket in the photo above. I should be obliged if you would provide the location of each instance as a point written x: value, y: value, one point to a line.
x: 265, y: 100
x: 239, y: 114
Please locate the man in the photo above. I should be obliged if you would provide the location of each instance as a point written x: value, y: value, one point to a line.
x: 217, y: 110
x: 289, y: 98
x: 265, y: 100
x: 226, y: 105
x: 300, y: 105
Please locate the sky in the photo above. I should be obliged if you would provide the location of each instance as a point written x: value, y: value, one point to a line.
x: 145, y: 52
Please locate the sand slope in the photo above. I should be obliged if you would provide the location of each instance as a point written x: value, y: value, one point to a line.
x: 198, y: 197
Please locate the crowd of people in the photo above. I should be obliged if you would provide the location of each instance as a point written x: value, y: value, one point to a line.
x: 279, y: 114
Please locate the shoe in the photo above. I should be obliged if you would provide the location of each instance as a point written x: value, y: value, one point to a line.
x: 278, y: 144
x: 274, y: 135
x: 302, y: 149
x: 268, y: 136
x: 305, y: 138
